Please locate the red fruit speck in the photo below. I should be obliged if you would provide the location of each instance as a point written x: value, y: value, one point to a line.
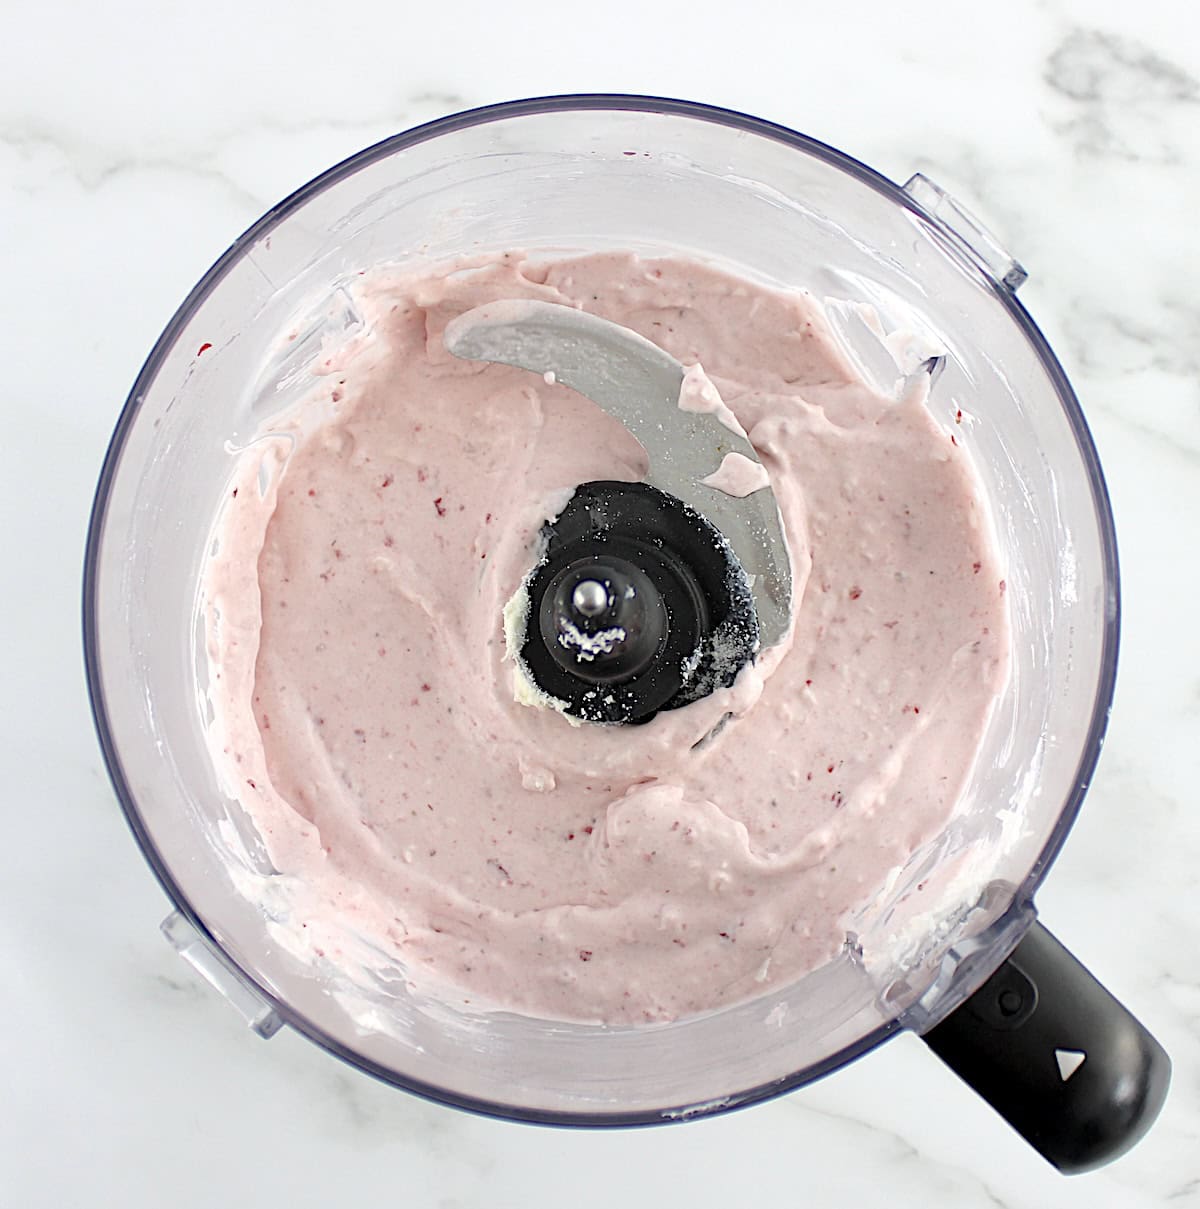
x: 953, y: 439
x: 830, y: 768
x: 977, y: 567
x: 585, y: 955
x: 441, y: 508
x: 388, y: 541
x: 203, y: 348
x: 588, y: 829
x: 424, y: 688
x: 251, y: 783
x: 1003, y: 585
x: 311, y: 492
x: 855, y: 593
x: 387, y: 482
x: 487, y: 520
x: 958, y: 416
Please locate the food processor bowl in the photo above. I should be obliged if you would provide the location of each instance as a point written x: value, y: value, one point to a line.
x: 652, y: 176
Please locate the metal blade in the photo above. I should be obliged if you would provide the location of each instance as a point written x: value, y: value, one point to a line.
x: 638, y: 383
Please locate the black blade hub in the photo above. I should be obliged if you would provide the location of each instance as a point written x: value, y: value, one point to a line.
x: 638, y: 606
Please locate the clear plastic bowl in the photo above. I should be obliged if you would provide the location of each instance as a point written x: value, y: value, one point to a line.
x: 588, y: 173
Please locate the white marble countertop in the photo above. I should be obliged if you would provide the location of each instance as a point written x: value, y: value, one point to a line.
x: 137, y: 139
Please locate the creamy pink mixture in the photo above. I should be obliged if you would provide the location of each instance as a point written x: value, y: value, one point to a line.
x: 506, y: 856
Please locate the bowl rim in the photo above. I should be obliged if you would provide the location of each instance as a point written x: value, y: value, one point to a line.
x: 532, y: 107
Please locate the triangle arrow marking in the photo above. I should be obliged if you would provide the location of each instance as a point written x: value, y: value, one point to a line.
x: 1069, y: 1061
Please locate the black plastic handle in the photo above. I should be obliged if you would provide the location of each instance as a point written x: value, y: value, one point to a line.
x: 1057, y: 1056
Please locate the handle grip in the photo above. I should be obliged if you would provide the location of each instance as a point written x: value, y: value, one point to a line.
x: 1057, y: 1056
